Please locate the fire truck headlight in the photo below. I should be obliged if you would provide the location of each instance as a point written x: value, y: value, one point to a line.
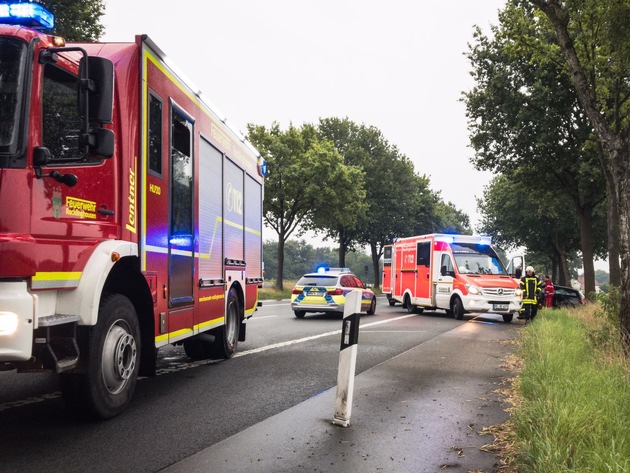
x: 472, y: 289
x: 8, y: 323
x: 518, y: 293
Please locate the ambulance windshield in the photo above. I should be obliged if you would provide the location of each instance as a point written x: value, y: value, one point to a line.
x: 472, y: 258
x: 12, y: 67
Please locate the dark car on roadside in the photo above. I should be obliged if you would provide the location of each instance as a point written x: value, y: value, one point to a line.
x: 567, y: 297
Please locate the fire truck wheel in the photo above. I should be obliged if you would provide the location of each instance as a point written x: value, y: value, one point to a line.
x: 392, y: 302
x: 113, y: 363
x: 372, y: 309
x: 226, y: 340
x: 507, y: 318
x: 197, y: 349
x: 458, y: 308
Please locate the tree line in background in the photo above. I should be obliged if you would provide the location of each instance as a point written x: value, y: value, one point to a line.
x: 345, y: 181
x: 549, y: 116
x: 301, y: 257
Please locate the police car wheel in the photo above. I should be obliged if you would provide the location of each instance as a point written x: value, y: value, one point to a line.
x: 299, y: 314
x: 372, y: 309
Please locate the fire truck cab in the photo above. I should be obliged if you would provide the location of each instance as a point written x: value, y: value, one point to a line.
x: 130, y: 213
x: 457, y: 273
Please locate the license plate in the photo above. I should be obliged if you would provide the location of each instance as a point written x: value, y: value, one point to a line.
x: 500, y: 306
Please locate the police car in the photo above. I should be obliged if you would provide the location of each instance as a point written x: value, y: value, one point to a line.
x: 325, y: 291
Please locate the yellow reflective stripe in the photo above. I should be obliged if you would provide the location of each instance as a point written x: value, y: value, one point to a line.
x: 53, y: 279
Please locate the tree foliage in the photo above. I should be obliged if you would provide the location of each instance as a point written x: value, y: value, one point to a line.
x: 307, y: 180
x: 524, y: 115
x: 77, y: 20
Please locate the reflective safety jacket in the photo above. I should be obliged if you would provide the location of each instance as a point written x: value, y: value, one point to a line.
x: 531, y: 288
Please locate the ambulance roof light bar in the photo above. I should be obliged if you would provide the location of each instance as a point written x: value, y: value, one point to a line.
x: 30, y: 14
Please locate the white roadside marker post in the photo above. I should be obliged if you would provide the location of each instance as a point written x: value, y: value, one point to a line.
x: 347, y: 359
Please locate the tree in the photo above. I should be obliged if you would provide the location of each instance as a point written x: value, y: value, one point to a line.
x: 299, y: 162
x: 399, y: 202
x: 512, y: 214
x: 77, y: 20
x: 594, y: 39
x: 525, y: 114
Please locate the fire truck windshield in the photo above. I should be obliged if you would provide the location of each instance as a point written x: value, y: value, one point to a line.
x: 476, y: 259
x: 12, y: 69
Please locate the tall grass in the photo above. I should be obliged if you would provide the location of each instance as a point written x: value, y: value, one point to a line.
x: 574, y: 414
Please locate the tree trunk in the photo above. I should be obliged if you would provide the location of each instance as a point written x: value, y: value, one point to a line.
x: 613, y: 232
x: 376, y: 256
x: 586, y: 243
x: 343, y: 249
x: 280, y: 278
x: 564, y: 278
x: 621, y: 170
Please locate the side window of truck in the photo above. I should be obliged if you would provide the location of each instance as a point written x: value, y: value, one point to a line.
x: 61, y: 124
x: 424, y: 254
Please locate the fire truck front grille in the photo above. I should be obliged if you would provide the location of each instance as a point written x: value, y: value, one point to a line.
x: 499, y: 292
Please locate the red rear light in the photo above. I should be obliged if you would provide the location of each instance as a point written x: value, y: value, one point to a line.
x: 296, y: 291
x: 335, y: 292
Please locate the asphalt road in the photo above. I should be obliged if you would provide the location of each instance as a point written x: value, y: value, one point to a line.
x: 284, y: 371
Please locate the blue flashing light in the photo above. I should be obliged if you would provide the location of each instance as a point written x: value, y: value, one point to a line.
x: 29, y: 14
x: 445, y: 239
x: 485, y: 241
x: 322, y: 269
x: 263, y: 169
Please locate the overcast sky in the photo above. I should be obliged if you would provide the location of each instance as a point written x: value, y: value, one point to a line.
x: 398, y: 65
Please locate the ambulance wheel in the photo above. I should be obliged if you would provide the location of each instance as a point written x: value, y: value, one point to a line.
x: 372, y: 309
x: 408, y: 305
x: 458, y: 308
x: 113, y: 362
x: 299, y: 314
x: 226, y: 342
x: 507, y: 318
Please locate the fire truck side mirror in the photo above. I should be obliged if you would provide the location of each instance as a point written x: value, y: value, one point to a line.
x: 96, y: 94
x: 102, y: 142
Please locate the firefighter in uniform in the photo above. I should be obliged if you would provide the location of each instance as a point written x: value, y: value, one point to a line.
x: 530, y: 285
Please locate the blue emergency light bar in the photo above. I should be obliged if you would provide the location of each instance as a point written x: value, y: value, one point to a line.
x: 28, y: 14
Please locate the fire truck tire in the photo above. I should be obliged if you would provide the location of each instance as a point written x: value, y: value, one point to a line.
x: 226, y: 340
x: 372, y: 309
x: 392, y: 302
x: 198, y: 349
x: 113, y: 362
x: 507, y: 318
x: 458, y: 308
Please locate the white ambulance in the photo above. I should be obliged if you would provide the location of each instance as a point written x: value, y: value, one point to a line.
x: 457, y: 273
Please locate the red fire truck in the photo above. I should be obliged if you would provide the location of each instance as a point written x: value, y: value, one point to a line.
x: 130, y: 213
x: 457, y: 273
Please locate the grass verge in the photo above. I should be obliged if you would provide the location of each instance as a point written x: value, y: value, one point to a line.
x: 269, y: 291
x: 572, y: 397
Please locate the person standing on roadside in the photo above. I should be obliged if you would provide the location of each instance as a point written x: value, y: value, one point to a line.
x: 548, y: 291
x: 530, y: 285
